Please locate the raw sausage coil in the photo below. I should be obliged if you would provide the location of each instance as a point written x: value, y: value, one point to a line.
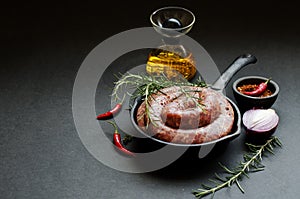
x: 186, y: 115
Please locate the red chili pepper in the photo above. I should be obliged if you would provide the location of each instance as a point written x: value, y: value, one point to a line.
x: 118, y: 141
x: 111, y: 113
x: 262, y: 87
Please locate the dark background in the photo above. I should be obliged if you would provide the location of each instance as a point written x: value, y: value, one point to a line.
x: 43, y: 45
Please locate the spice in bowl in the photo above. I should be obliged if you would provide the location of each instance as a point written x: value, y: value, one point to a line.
x: 256, y: 90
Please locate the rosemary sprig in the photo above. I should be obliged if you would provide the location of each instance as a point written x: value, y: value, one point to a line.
x: 251, y: 163
x: 149, y: 84
x: 146, y: 85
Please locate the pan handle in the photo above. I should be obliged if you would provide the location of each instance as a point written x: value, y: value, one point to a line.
x: 236, y: 65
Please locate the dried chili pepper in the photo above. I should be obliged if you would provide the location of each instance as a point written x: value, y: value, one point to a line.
x: 118, y: 141
x: 111, y: 113
x: 262, y: 87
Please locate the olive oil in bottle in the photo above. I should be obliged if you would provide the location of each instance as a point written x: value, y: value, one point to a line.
x: 171, y: 58
x: 171, y: 62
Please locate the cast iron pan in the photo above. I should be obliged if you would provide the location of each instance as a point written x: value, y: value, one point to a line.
x: 219, y: 85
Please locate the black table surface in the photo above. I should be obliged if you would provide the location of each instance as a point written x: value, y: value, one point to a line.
x: 43, y: 45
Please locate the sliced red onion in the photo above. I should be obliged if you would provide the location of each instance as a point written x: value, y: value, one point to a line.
x: 260, y: 120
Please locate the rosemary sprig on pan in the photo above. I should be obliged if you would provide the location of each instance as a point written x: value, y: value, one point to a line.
x: 146, y: 85
x: 251, y: 163
x: 149, y: 84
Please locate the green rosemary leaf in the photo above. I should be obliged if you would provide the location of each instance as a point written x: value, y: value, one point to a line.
x: 218, y: 177
x: 271, y: 146
x: 239, y: 186
x: 213, y: 181
x: 257, y: 169
x: 269, y: 149
x: 278, y: 142
x: 226, y: 169
x: 245, y: 174
x: 199, y: 189
x: 259, y: 158
x: 256, y: 162
x: 247, y: 157
x: 206, y: 186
